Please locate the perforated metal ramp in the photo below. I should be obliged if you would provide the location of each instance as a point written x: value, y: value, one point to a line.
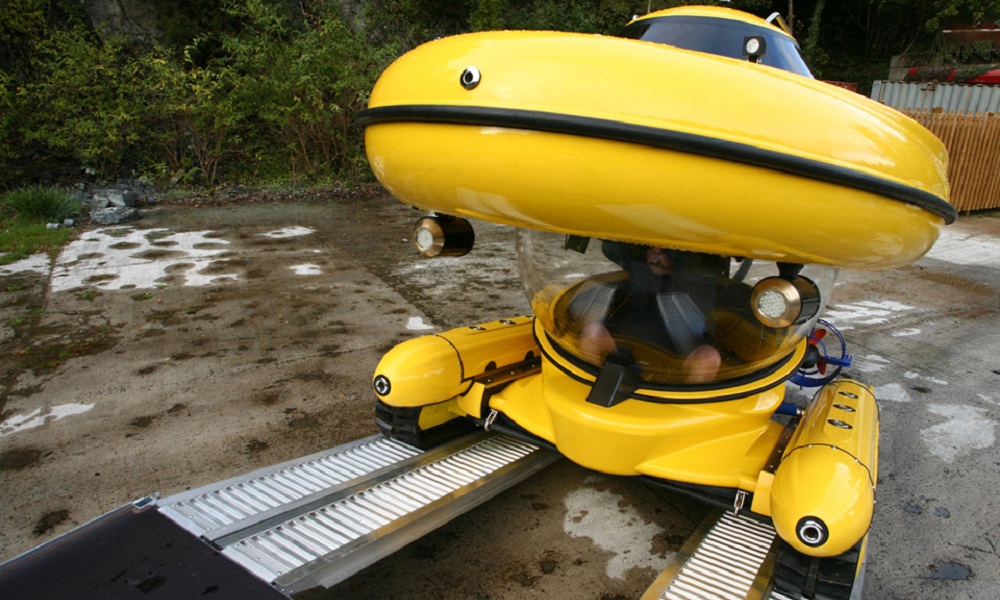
x: 723, y: 560
x: 320, y: 520
x: 221, y: 508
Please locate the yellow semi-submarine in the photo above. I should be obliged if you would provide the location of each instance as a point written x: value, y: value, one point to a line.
x: 684, y: 195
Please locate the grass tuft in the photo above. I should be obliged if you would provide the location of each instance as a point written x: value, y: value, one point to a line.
x: 24, y: 215
x: 19, y: 240
x: 41, y: 203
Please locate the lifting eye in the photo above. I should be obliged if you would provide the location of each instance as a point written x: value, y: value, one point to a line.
x: 779, y: 302
x: 470, y: 77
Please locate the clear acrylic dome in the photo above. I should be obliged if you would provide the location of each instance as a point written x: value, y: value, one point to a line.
x: 672, y: 318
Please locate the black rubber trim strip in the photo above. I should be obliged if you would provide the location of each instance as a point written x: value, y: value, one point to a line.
x: 563, y: 355
x: 658, y: 138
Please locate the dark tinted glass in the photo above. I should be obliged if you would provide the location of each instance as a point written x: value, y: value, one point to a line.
x: 718, y: 36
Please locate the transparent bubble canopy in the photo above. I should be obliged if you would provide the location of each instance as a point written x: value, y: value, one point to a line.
x: 670, y: 317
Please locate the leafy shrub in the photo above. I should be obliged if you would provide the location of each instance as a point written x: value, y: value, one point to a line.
x: 7, y: 126
x: 303, y: 87
x: 193, y: 124
x: 95, y: 96
x: 40, y: 203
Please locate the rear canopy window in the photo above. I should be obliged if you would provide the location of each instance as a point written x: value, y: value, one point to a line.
x: 721, y: 37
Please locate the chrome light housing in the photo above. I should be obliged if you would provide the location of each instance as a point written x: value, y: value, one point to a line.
x: 439, y: 235
x: 780, y: 302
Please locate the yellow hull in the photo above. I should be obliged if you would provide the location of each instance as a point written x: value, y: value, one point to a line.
x: 822, y: 484
x: 703, y: 437
x: 646, y: 143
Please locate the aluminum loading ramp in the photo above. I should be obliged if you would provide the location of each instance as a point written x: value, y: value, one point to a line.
x: 280, y: 530
x: 726, y: 559
x: 307, y: 524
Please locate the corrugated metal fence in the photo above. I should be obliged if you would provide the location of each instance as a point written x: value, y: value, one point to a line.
x: 967, y: 119
x: 949, y: 97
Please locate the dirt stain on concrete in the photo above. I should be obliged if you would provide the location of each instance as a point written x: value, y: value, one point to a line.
x: 46, y: 357
x: 143, y: 422
x: 18, y: 459
x: 256, y: 446
x: 49, y: 521
x: 947, y: 569
x: 304, y: 421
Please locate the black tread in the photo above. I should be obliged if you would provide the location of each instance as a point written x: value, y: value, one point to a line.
x: 402, y: 424
x: 801, y: 576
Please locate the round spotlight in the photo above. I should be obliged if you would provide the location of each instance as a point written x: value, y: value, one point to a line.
x: 754, y: 47
x: 443, y: 236
x: 778, y: 302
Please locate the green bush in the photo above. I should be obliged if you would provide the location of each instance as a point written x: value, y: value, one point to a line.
x: 303, y: 87
x: 251, y: 90
x: 275, y: 99
x: 95, y: 96
x: 194, y: 127
x: 41, y: 204
x: 7, y: 127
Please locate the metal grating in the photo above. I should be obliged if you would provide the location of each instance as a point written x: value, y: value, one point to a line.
x: 336, y: 530
x: 211, y: 513
x: 725, y: 563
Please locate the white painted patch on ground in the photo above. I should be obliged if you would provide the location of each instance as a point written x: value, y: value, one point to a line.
x: 867, y: 312
x: 597, y: 515
x: 912, y: 375
x: 961, y: 248
x: 967, y: 429
x: 126, y: 258
x: 36, y: 263
x: 417, y: 324
x: 908, y: 332
x: 870, y: 363
x: 894, y: 392
x: 39, y: 417
x: 288, y: 232
x: 307, y: 269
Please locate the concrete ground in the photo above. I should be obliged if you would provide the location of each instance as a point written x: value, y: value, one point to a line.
x: 199, y: 343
